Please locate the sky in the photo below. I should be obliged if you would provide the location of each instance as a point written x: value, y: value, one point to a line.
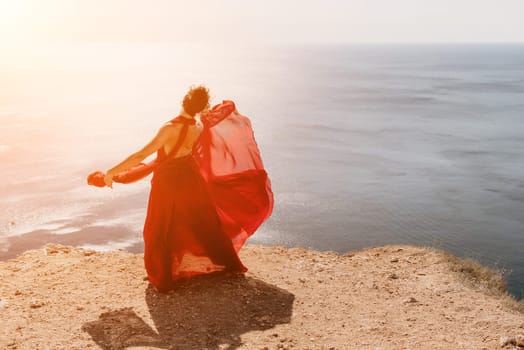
x: 30, y: 22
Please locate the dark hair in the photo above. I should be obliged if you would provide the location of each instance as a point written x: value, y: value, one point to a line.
x: 196, y: 100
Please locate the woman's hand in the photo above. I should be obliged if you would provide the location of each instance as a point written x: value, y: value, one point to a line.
x: 108, y: 180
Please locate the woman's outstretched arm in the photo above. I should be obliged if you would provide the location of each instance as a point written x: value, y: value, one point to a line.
x: 165, y: 132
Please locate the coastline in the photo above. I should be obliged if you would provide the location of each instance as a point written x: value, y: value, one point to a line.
x: 388, y: 297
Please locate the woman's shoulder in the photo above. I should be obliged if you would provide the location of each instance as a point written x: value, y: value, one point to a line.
x: 177, y: 124
x: 182, y: 120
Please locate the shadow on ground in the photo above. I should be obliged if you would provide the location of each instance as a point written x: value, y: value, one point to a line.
x: 204, y: 312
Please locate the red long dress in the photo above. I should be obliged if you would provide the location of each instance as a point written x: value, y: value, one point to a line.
x: 202, y: 207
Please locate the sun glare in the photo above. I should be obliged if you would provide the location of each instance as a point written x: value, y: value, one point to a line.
x: 11, y: 11
x: 13, y: 20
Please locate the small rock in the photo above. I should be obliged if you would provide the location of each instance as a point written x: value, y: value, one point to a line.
x: 505, y: 340
x: 393, y: 276
x: 394, y: 260
x: 51, y: 251
x: 519, y: 339
x: 410, y: 300
x: 35, y: 304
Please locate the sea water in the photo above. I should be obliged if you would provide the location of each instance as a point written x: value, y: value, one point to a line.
x: 365, y: 145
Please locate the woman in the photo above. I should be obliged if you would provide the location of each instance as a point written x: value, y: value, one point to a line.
x: 209, y: 191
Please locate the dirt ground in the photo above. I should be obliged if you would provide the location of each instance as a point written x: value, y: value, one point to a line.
x: 390, y: 297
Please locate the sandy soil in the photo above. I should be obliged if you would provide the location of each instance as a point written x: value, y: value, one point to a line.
x: 391, y: 297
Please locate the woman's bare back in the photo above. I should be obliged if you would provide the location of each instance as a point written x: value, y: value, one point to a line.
x: 193, y: 132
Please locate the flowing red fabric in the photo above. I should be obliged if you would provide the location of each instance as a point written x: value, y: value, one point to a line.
x: 204, y: 206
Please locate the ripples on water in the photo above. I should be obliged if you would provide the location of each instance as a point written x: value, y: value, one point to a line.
x: 365, y: 145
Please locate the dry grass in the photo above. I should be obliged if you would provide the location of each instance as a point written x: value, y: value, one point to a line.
x: 480, y: 277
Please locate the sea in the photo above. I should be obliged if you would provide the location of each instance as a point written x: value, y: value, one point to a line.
x: 365, y: 144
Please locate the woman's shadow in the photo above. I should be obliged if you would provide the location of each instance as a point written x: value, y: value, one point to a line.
x: 204, y: 312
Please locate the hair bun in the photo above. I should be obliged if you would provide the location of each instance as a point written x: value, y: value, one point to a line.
x: 196, y: 99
